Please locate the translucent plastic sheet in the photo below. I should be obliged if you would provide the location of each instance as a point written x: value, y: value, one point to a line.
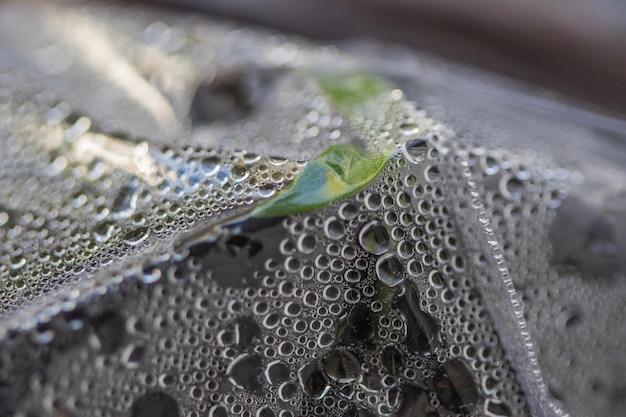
x: 478, y: 273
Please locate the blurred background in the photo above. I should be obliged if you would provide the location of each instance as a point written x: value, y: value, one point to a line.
x: 575, y: 47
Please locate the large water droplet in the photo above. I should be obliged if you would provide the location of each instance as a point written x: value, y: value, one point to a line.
x: 239, y: 173
x: 103, y: 231
x: 313, y: 381
x: 217, y: 411
x: 341, y: 365
x: 391, y: 359
x: 374, y: 238
x: 422, y: 329
x: 246, y: 371
x: 277, y: 372
x: 415, y: 151
x: 307, y: 243
x: 334, y: 228
x: 389, y: 270
x: 287, y: 391
x: 125, y: 203
x: 265, y: 412
x: 136, y: 236
x: 357, y: 327
x: 210, y: 165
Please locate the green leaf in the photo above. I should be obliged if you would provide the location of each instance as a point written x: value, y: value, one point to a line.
x: 343, y: 169
x: 351, y: 91
x: 340, y: 171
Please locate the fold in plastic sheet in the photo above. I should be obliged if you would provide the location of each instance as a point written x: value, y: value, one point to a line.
x: 453, y: 283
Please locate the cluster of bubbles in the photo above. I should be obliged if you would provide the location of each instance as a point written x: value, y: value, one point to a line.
x: 371, y: 306
x: 561, y: 241
x: 69, y: 212
x: 363, y: 308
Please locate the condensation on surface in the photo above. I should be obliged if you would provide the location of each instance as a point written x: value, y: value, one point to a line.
x: 390, y: 302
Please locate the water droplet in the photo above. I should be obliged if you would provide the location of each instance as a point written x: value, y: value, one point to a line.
x: 374, y: 238
x: 496, y: 408
x: 435, y: 280
x: 217, y: 411
x: 248, y: 332
x: 277, y: 372
x: 348, y: 211
x: 371, y: 381
x: 132, y: 355
x: 409, y: 128
x: 211, y: 165
x: 422, y: 329
x: 391, y: 360
x: 489, y: 164
x: 415, y: 151
x: 136, y: 236
x: 125, y: 203
x: 103, y: 231
x: 313, y: 381
x: 265, y: 412
x: 432, y: 173
x: 357, y: 327
x: 287, y: 391
x: 150, y: 275
x: 341, y: 365
x: 4, y: 218
x: 246, y: 371
x: 511, y: 187
x: 334, y: 228
x: 17, y: 262
x: 325, y: 339
x: 307, y: 243
x: 389, y: 270
x: 239, y: 173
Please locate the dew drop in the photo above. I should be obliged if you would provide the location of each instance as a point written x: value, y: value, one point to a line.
x: 415, y: 151
x: 391, y: 360
x: 341, y: 365
x: 374, y: 238
x: 313, y: 381
x: 389, y: 270
x: 136, y: 236
x: 287, y: 391
x: 246, y: 371
x: 334, y: 229
x: 103, y: 231
x: 306, y: 243
x: 217, y: 411
x: 496, y: 408
x: 125, y: 203
x: 239, y: 173
x: 265, y: 412
x: 210, y: 165
x: 277, y: 372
